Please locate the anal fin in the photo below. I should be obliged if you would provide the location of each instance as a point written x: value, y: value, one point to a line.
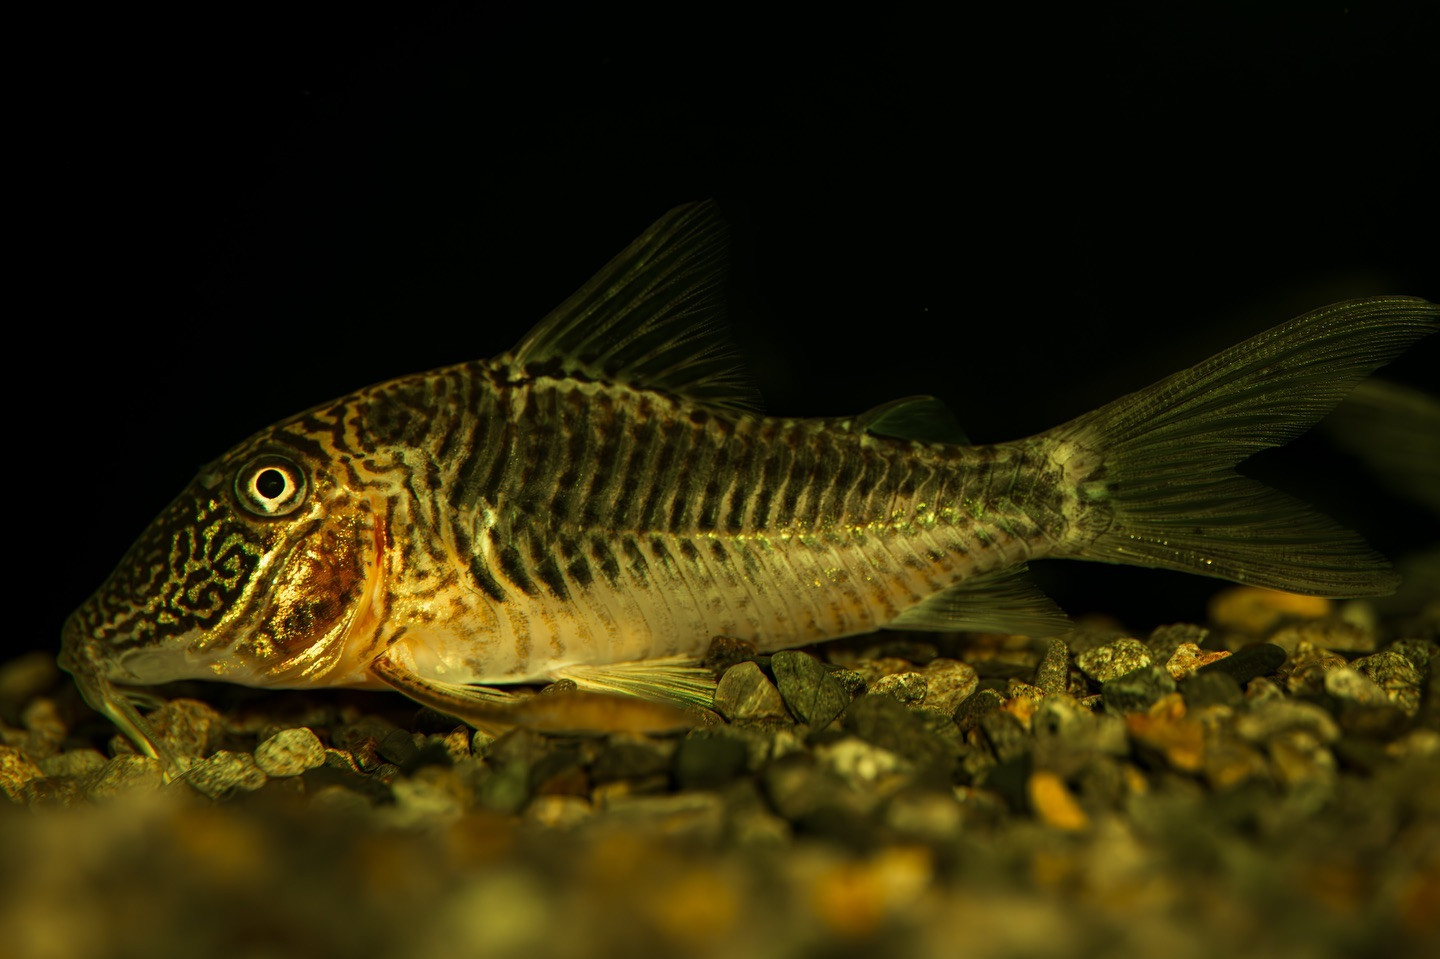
x: 1000, y: 602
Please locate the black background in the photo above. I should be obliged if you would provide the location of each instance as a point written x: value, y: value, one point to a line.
x: 247, y: 209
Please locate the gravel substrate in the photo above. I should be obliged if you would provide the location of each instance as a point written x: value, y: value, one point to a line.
x: 1265, y: 784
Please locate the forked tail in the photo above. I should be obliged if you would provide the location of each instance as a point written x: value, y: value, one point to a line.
x: 1155, y: 469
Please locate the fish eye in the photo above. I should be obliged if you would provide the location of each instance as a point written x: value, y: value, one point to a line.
x: 270, y: 485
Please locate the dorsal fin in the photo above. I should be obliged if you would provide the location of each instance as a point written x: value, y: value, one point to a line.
x: 921, y: 418
x: 652, y: 318
x: 1000, y: 602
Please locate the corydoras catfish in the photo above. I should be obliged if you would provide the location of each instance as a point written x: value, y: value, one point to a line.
x: 601, y: 501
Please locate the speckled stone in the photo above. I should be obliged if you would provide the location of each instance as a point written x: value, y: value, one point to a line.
x: 948, y: 683
x: 968, y: 715
x: 908, y: 688
x: 1396, y: 675
x: 188, y: 727
x: 1350, y: 684
x: 807, y: 688
x: 1364, y: 707
x: 1188, y: 658
x: 1007, y: 736
x: 1420, y: 652
x: 15, y: 771
x: 1113, y: 660
x: 1305, y: 673
x: 290, y: 752
x: 1052, y: 676
x: 225, y: 772
x: 744, y: 694
x: 125, y: 774
x: 1164, y: 640
x: 886, y: 723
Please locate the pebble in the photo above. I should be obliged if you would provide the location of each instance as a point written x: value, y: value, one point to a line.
x: 1054, y: 803
x: 290, y: 752
x: 632, y: 757
x: 1052, y: 676
x: 1364, y: 707
x: 924, y: 814
x: 432, y: 795
x: 1165, y: 729
x: 1332, y: 634
x: 1396, y: 675
x: 859, y: 762
x: 225, y: 772
x: 47, y: 730
x: 1007, y: 736
x: 744, y: 694
x: 24, y: 677
x: 908, y: 688
x: 1189, y: 658
x: 1351, y: 685
x: 708, y: 761
x: 559, y: 812
x: 811, y: 694
x: 886, y: 723
x: 1256, y: 611
x: 188, y: 728
x: 694, y: 816
x: 1249, y: 663
x: 1113, y: 660
x: 1164, y: 640
x: 1137, y: 690
x: 1212, y: 689
x: 125, y: 774
x: 1264, y: 721
x: 726, y: 652
x: 1305, y: 673
x: 948, y: 683
x: 967, y: 716
x: 15, y: 772
x: 1419, y: 651
x: 78, y: 762
x: 1228, y: 763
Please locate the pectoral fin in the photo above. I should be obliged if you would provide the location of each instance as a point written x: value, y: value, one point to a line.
x: 677, y: 681
x: 575, y: 712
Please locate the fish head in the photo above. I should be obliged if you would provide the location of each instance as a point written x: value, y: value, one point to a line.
x: 257, y: 573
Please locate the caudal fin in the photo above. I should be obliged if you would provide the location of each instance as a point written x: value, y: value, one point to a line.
x: 1155, y: 468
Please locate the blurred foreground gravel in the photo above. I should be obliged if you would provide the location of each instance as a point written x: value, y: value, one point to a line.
x: 1265, y: 784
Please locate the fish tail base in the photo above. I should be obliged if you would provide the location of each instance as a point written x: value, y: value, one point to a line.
x: 1154, y: 470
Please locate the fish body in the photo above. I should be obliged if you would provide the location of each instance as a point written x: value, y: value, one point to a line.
x: 602, y: 501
